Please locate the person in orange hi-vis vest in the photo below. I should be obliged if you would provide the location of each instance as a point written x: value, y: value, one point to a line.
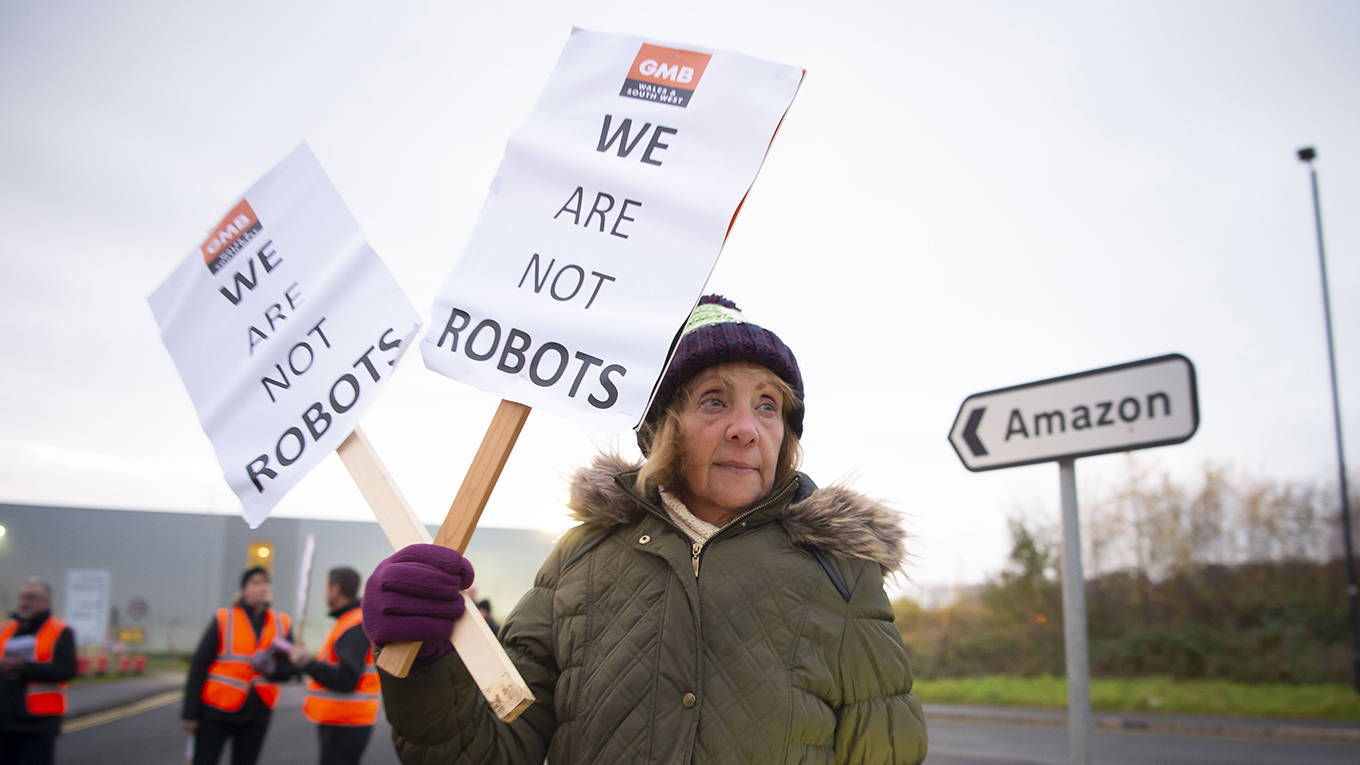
x: 230, y: 691
x: 342, y: 694
x: 39, y: 657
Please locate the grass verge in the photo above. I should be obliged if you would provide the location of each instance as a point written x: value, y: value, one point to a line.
x: 1152, y: 694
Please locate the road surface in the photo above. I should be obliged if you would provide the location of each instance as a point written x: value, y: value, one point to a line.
x: 149, y: 732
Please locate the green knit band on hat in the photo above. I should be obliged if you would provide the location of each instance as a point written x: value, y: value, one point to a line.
x: 711, y: 313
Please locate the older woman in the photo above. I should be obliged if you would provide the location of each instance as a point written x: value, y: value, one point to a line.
x: 714, y: 606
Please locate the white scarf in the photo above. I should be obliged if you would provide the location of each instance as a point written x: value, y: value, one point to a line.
x: 699, y: 531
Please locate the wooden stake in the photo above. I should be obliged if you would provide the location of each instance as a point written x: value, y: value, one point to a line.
x: 477, y: 646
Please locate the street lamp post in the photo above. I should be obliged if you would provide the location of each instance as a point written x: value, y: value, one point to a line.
x: 1306, y: 155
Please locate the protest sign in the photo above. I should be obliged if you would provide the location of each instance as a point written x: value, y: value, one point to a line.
x: 604, y: 221
x: 284, y: 324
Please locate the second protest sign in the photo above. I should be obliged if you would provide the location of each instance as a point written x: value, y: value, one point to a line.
x: 604, y: 221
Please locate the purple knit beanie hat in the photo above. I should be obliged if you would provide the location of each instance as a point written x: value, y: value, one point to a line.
x: 717, y: 333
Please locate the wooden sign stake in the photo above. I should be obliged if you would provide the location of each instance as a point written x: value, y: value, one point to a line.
x: 477, y: 646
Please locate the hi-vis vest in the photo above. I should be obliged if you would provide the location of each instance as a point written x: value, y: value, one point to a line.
x: 328, y: 707
x: 41, y: 699
x: 231, y: 676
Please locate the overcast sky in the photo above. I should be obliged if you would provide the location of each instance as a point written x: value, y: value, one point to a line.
x: 963, y: 196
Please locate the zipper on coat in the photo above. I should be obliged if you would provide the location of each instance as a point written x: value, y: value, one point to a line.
x: 697, y: 549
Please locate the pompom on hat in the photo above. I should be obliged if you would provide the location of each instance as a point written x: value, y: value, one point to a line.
x: 718, y: 333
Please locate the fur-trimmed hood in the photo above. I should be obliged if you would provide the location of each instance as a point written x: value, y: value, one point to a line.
x: 834, y: 519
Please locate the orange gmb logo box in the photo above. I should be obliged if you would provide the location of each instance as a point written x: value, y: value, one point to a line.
x: 230, y: 236
x: 664, y: 75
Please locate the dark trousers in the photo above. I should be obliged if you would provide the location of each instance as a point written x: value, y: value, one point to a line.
x: 27, y: 748
x: 246, y: 742
x: 343, y: 744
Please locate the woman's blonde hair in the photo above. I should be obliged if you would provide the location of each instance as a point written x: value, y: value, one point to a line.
x: 666, y: 460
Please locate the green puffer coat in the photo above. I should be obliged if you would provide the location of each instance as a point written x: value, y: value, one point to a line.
x: 781, y: 650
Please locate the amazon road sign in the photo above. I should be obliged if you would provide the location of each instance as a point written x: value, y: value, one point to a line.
x: 1120, y: 408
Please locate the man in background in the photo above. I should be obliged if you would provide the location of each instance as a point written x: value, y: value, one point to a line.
x: 342, y: 694
x: 484, y: 606
x: 39, y: 653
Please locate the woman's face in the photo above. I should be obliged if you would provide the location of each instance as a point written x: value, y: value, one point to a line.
x: 256, y: 590
x: 731, y: 428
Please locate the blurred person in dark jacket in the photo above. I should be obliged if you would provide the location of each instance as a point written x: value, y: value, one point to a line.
x: 39, y: 658
x: 484, y: 606
x: 230, y: 691
x: 342, y: 694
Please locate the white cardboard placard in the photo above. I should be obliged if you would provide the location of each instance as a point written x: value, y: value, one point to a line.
x: 603, y: 222
x: 284, y: 325
x: 86, y: 610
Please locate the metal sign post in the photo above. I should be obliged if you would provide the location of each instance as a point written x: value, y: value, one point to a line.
x: 1144, y: 403
x: 1308, y: 154
x: 1074, y: 618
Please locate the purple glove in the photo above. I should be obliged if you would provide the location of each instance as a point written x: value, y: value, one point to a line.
x: 415, y: 594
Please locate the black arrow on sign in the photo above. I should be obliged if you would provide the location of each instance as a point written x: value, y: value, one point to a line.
x: 970, y: 432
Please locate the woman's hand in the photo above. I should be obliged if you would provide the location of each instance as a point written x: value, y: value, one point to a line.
x: 415, y: 595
